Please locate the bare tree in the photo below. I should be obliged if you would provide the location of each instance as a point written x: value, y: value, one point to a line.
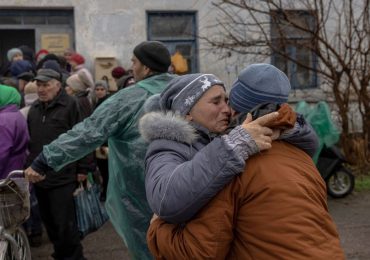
x: 335, y: 32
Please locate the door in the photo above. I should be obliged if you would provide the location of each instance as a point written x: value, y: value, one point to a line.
x: 14, y: 38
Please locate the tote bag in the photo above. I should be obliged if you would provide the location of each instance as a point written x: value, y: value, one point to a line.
x: 90, y: 213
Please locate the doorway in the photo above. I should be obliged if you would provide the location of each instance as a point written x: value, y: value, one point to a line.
x: 15, y: 38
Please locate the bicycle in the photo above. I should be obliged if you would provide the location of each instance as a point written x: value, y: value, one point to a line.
x: 14, y: 210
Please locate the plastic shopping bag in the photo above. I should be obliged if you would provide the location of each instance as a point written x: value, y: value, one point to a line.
x: 91, y: 214
x: 319, y: 117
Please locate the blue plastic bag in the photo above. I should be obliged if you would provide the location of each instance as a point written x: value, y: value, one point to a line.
x: 90, y: 213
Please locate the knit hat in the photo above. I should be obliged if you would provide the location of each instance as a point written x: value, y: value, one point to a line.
x: 9, y: 96
x: 78, y: 82
x: 52, y: 64
x: 30, y: 88
x: 20, y: 66
x: 118, y: 72
x: 256, y: 84
x: 154, y: 55
x: 12, y: 52
x: 101, y: 83
x: 78, y: 58
x: 41, y: 54
x: 183, y: 92
x: 30, y: 93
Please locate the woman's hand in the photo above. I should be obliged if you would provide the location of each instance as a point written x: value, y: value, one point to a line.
x: 259, y: 131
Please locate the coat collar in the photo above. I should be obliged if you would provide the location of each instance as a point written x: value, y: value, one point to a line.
x: 60, y: 99
x: 169, y: 126
x: 172, y: 126
x: 9, y: 108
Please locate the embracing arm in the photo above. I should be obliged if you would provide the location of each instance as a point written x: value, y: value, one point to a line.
x: 177, y: 186
x: 207, y: 236
x: 180, y: 181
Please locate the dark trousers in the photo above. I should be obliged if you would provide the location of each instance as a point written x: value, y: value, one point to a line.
x: 33, y: 225
x: 103, y: 169
x: 57, y: 209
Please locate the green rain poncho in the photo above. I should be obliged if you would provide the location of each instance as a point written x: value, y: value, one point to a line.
x: 116, y: 119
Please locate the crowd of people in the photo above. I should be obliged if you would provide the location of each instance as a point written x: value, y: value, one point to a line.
x: 42, y: 96
x: 220, y: 182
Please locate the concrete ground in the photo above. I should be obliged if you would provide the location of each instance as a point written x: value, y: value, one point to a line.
x: 100, y: 245
x: 351, y: 214
x: 352, y: 217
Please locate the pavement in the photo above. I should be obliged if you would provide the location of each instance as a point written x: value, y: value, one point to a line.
x: 351, y: 215
x: 100, y: 245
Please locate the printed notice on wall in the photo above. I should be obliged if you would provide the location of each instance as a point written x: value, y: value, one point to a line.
x: 55, y: 43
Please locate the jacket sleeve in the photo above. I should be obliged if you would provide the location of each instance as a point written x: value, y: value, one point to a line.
x: 178, y: 185
x: 5, y: 148
x: 207, y: 236
x: 92, y: 132
x: 302, y: 136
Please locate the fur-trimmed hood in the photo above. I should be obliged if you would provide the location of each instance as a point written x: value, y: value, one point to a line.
x: 170, y: 126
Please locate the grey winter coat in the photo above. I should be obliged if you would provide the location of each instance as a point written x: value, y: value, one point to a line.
x: 186, y: 166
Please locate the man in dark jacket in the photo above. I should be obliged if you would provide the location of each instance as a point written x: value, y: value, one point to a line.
x: 52, y: 114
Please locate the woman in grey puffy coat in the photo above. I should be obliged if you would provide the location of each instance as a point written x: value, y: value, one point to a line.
x: 189, y: 159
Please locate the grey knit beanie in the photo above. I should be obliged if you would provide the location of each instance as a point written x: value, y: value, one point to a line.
x: 257, y: 84
x: 101, y: 83
x: 183, y: 92
x: 13, y: 52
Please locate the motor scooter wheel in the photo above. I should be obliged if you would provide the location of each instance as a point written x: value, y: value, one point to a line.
x: 340, y: 183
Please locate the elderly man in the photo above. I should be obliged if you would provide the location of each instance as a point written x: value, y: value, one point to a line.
x: 52, y: 114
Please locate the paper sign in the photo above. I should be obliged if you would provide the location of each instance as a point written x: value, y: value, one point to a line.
x: 55, y: 43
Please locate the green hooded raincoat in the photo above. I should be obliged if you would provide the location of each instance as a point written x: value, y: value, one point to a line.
x: 116, y: 119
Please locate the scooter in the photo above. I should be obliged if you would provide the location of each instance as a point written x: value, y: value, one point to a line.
x: 339, y: 180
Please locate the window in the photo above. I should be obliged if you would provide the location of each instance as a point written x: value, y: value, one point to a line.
x: 177, y: 30
x: 36, y: 17
x: 292, y: 52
